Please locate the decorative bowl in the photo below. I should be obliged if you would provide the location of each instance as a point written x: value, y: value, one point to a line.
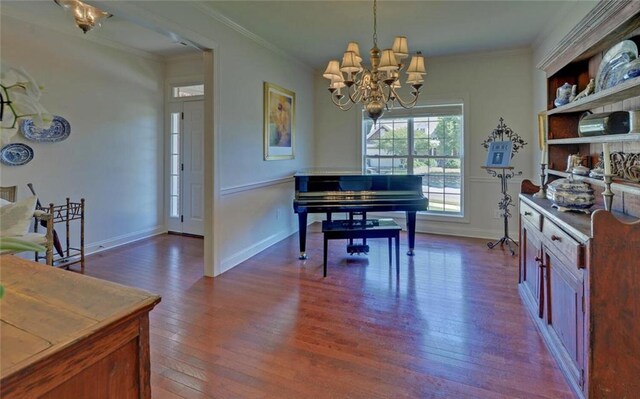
x: 570, y: 195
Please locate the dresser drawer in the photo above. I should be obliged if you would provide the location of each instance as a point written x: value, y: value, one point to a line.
x: 531, y: 215
x: 565, y: 245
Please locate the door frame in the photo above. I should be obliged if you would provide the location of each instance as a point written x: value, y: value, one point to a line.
x: 169, y: 85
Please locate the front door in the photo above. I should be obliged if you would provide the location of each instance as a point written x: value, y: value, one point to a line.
x: 186, y: 208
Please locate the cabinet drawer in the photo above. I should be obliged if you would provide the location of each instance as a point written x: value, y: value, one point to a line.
x: 531, y: 215
x: 566, y: 246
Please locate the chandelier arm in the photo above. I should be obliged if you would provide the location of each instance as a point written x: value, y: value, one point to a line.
x: 406, y: 103
x: 345, y: 106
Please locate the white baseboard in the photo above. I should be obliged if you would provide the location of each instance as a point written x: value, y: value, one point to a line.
x: 463, y: 231
x: 123, y: 239
x: 239, y: 257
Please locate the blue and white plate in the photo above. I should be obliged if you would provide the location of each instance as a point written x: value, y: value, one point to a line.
x: 16, y: 154
x: 59, y: 130
x: 613, y: 62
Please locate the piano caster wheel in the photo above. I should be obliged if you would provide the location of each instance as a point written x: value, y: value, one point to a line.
x: 410, y: 252
x: 303, y: 256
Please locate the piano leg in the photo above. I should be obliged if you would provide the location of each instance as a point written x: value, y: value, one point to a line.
x: 302, y: 232
x: 411, y: 231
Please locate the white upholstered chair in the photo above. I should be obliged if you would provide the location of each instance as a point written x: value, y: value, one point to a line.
x: 8, y: 194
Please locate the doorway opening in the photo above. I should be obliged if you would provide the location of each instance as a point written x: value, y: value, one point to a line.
x: 186, y: 160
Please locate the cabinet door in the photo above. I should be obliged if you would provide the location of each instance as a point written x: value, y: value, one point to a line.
x: 531, y: 280
x: 565, y: 314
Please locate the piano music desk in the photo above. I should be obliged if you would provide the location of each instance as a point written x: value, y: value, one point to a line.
x: 343, y: 229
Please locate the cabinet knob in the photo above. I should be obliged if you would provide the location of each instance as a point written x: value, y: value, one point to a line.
x: 528, y: 213
x: 538, y: 259
x: 555, y: 238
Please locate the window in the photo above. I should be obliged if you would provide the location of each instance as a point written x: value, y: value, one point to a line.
x: 188, y: 91
x: 174, y: 173
x: 425, y: 140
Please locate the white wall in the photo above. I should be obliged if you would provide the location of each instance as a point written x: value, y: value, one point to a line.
x: 493, y: 85
x: 114, y: 156
x: 254, y: 208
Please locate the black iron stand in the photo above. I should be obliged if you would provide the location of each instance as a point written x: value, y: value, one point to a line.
x: 504, y: 174
x: 504, y: 133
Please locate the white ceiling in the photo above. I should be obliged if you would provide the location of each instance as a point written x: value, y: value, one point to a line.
x: 117, y: 30
x: 316, y: 31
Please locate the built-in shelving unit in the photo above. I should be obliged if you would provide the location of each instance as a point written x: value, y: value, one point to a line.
x: 578, y: 273
x: 626, y: 89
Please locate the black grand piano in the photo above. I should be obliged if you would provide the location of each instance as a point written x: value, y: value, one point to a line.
x: 328, y: 191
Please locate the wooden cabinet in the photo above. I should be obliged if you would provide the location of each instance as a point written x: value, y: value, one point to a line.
x: 580, y: 274
x: 64, y: 335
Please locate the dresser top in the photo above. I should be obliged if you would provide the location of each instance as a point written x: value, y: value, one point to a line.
x: 45, y: 309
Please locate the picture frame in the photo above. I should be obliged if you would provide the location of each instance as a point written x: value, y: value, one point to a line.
x: 499, y: 155
x: 278, y: 122
x: 542, y: 129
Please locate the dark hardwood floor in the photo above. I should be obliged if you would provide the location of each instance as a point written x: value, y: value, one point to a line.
x: 451, y: 326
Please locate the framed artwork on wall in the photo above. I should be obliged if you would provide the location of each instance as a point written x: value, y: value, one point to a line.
x: 279, y: 122
x: 499, y: 155
x: 542, y: 129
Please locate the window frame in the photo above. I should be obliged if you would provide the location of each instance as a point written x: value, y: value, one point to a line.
x: 421, y: 111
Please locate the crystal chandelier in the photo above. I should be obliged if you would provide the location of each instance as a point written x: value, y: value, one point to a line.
x: 87, y: 17
x: 376, y: 88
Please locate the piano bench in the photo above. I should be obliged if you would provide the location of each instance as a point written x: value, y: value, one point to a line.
x: 371, y: 228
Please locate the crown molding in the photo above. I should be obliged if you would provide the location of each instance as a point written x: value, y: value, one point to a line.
x: 599, y: 18
x: 218, y: 16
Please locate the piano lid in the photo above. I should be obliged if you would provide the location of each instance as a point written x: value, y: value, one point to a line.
x: 344, y: 172
x: 330, y: 172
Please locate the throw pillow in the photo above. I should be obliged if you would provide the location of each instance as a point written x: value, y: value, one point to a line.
x: 4, y: 202
x: 15, y: 218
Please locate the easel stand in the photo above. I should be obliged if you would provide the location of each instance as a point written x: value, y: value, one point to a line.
x: 504, y: 174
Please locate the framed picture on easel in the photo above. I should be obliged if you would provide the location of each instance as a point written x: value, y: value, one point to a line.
x: 499, y: 155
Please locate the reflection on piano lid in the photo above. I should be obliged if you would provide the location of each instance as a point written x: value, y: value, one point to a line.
x: 329, y: 172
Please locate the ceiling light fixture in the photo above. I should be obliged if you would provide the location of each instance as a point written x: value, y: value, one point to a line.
x: 87, y: 17
x: 376, y: 88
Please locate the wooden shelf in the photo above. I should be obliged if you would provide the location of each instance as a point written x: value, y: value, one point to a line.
x: 630, y: 88
x: 618, y: 184
x: 607, y: 138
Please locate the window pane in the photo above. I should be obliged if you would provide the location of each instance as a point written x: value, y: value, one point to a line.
x: 175, y: 162
x: 174, y: 144
x: 399, y: 166
x: 174, y: 207
x: 188, y: 91
x: 174, y: 185
x: 175, y: 122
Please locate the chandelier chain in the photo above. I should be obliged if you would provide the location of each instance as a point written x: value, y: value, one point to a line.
x: 375, y: 23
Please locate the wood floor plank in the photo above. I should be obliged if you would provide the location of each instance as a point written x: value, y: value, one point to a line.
x: 450, y: 326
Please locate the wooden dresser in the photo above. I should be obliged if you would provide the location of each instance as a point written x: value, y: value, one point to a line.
x: 580, y: 274
x: 65, y: 335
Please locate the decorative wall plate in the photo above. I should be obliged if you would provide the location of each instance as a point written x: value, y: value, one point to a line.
x: 16, y: 154
x: 60, y: 129
x: 612, y: 64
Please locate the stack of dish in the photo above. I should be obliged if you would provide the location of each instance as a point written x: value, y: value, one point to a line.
x: 620, y: 63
